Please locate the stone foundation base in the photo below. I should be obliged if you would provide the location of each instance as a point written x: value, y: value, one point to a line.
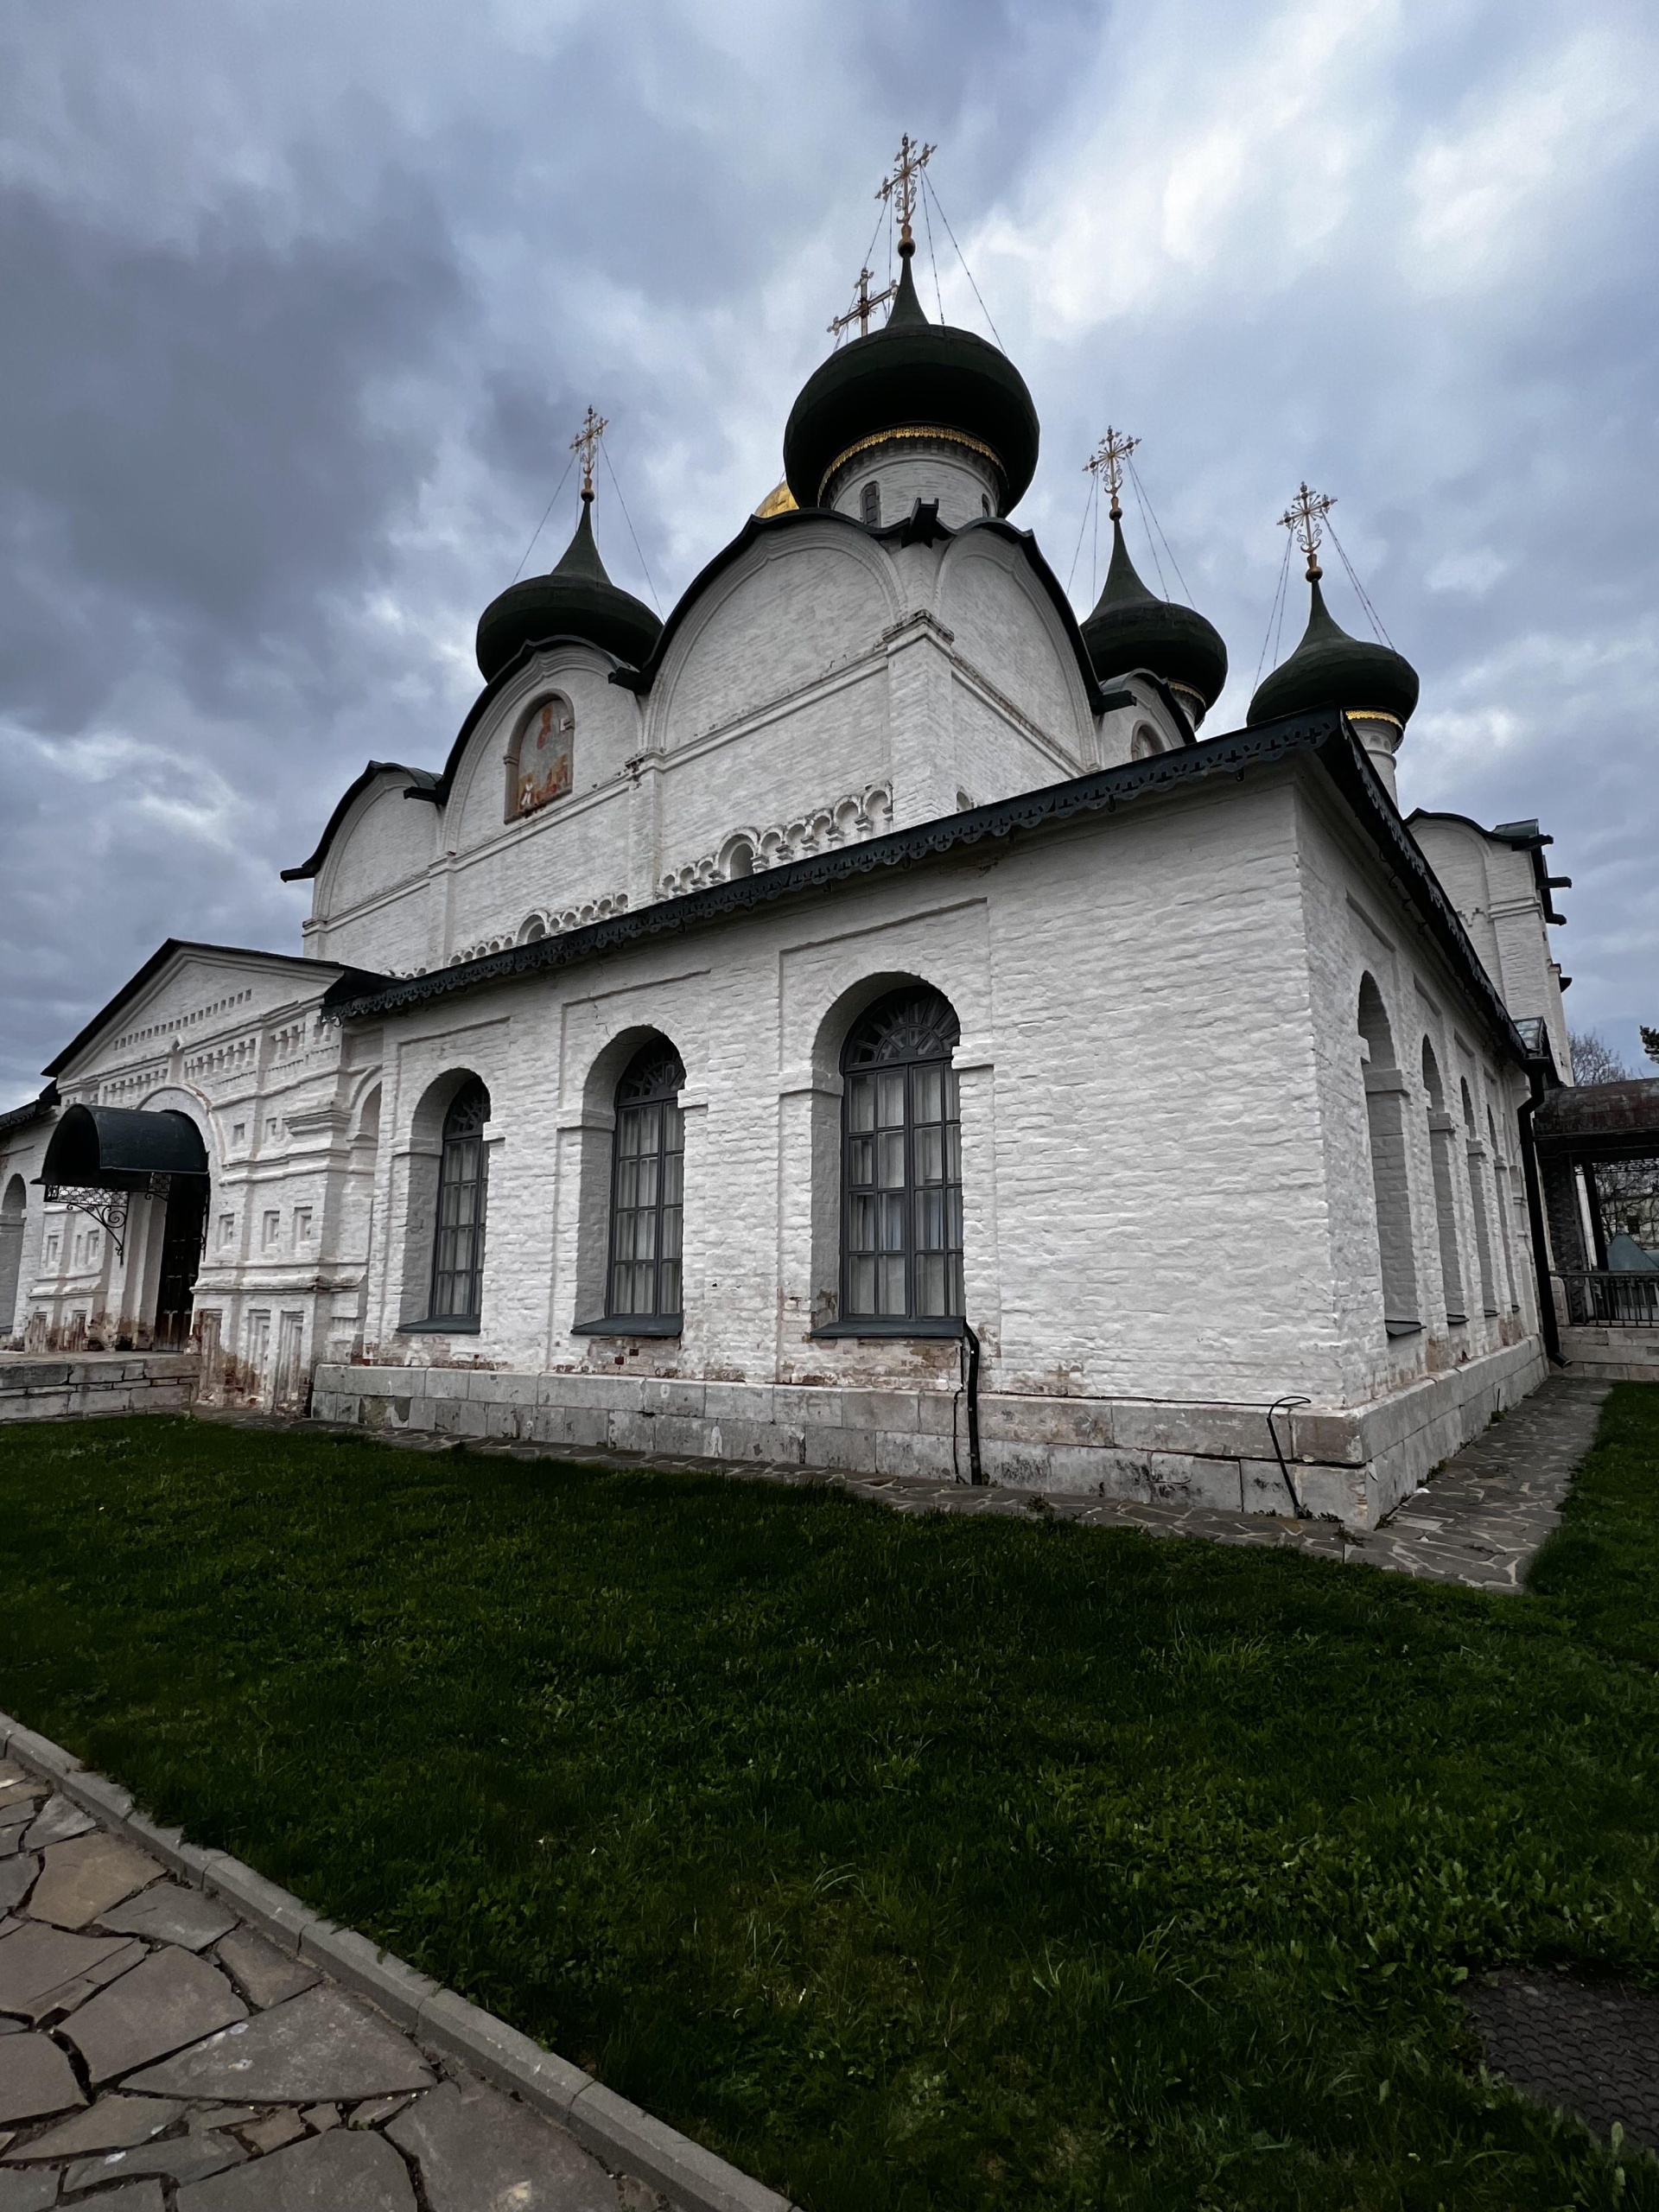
x: 1612, y: 1355
x: 1351, y: 1464
x: 96, y: 1383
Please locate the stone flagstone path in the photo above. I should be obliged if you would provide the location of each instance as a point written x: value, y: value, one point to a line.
x: 160, y: 2054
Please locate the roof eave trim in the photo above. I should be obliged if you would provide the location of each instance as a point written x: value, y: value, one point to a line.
x: 1327, y: 736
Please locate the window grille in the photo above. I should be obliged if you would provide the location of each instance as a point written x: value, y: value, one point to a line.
x: 648, y: 1187
x: 901, y: 1154
x: 458, y: 1250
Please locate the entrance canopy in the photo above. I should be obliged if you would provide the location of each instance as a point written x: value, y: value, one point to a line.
x: 1599, y: 1120
x: 116, y: 1148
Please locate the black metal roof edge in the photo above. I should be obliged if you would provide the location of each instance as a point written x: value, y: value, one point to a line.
x: 307, y: 868
x: 19, y: 1117
x: 1102, y: 791
x: 1349, y: 768
x: 157, y: 960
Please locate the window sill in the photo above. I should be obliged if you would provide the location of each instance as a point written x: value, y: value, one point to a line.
x: 631, y: 1324
x: 915, y: 1325
x: 1404, y: 1328
x: 436, y: 1329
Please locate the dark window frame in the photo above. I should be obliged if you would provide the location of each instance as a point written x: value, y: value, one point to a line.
x: 911, y: 1033
x: 460, y: 1214
x: 651, y: 1085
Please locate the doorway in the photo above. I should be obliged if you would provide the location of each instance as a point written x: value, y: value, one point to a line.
x: 181, y: 1236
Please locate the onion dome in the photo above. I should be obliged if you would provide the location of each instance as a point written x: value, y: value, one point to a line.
x: 576, y: 599
x: 1131, y: 628
x: 915, y: 377
x: 1329, y: 669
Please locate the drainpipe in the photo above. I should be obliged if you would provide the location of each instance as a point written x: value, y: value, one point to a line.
x: 1548, y: 1327
x: 971, y: 1353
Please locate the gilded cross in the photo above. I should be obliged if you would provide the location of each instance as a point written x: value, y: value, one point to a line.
x: 908, y: 164
x: 585, y: 442
x: 1305, y: 518
x: 1108, y: 460
x: 865, y: 303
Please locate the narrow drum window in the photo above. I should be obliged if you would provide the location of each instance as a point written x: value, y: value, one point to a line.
x: 870, y: 503
x: 458, y: 1250
x: 901, y: 1176
x: 647, y: 1187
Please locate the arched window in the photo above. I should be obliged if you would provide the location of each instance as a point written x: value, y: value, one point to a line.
x: 1145, y: 742
x: 648, y: 1187
x: 901, y: 1162
x: 1442, y: 1133
x: 1385, y: 1100
x: 541, y: 759
x: 458, y: 1248
x: 870, y: 504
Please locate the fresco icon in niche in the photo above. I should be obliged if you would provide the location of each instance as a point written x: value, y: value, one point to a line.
x: 542, y: 764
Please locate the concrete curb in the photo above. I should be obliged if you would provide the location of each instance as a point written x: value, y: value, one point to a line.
x: 693, y: 2179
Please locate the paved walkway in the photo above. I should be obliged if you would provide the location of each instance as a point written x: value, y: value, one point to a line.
x: 157, y: 2050
x: 1477, y: 1521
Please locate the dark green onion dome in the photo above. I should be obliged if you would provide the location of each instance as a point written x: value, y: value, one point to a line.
x: 577, y: 600
x: 915, y: 376
x: 1130, y: 629
x: 1331, y: 669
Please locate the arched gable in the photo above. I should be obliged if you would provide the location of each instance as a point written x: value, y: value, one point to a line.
x: 605, y: 734
x: 383, y: 839
x: 795, y: 605
x: 1007, y: 626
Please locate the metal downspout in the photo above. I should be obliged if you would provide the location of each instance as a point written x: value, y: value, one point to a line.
x: 975, y: 1471
x: 1550, y: 1328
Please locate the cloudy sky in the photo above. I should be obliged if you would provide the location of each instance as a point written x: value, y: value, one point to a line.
x: 302, y: 305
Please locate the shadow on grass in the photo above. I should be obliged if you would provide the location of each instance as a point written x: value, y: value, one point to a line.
x: 911, y: 1864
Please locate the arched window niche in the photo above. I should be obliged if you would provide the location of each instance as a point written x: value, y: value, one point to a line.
x: 644, y: 1286
x: 1475, y: 1153
x: 1442, y: 1135
x: 901, y: 1240
x: 1504, y: 1190
x: 14, y: 1210
x: 541, y: 759
x: 1386, y: 1092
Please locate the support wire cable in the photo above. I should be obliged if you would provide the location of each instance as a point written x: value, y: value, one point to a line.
x: 542, y: 525
x: 1371, y: 614
x: 933, y: 257
x: 1275, y: 610
x: 1149, y: 516
x: 1091, y: 500
x: 927, y: 191
x: 628, y: 518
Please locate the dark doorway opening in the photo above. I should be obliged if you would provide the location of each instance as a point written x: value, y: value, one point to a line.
x: 181, y: 1238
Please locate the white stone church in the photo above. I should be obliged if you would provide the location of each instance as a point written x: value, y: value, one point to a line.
x: 859, y: 1022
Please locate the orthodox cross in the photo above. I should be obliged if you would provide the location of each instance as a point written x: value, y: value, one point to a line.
x: 1108, y: 460
x: 908, y: 164
x: 585, y: 442
x: 1304, y: 519
x: 865, y: 303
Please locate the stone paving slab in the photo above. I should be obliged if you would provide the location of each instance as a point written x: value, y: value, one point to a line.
x: 226, y: 2076
x: 1591, y: 2048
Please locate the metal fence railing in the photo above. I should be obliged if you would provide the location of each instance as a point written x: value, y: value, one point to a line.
x: 1604, y: 1300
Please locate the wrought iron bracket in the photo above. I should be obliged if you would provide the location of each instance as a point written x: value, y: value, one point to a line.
x: 109, y: 1209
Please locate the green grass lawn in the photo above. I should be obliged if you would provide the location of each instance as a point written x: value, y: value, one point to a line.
x: 912, y: 1864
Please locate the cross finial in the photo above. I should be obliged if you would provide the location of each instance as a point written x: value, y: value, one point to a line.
x: 865, y: 303
x: 1108, y: 458
x: 908, y: 164
x: 585, y: 442
x: 1305, y: 518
